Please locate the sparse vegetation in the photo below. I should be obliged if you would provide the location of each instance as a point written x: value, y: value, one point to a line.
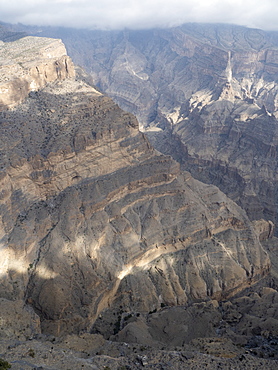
x: 31, y: 352
x: 4, y: 364
x: 143, y: 348
x: 117, y: 326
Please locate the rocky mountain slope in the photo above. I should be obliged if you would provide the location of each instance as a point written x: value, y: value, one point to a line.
x: 84, y: 194
x: 205, y: 94
x: 99, y: 231
x: 29, y: 65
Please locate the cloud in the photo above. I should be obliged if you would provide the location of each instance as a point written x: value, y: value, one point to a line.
x: 138, y: 14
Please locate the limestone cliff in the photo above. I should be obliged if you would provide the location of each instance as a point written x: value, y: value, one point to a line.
x: 92, y: 217
x: 205, y: 94
x: 29, y: 64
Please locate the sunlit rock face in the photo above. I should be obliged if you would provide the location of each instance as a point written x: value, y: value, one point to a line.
x: 92, y: 217
x: 205, y: 94
x: 29, y: 64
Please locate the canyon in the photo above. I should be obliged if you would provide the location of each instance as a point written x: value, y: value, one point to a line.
x: 108, y: 247
x: 205, y: 94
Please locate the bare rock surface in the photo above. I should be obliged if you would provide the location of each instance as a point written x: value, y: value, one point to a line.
x: 93, y: 217
x: 18, y: 320
x: 224, y: 345
x: 89, y: 208
x: 48, y: 355
x: 29, y: 64
x: 205, y: 94
x: 102, y: 237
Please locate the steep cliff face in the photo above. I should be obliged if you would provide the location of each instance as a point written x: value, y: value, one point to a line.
x: 155, y: 73
x: 29, y: 64
x: 237, y: 155
x: 92, y: 217
x: 205, y: 94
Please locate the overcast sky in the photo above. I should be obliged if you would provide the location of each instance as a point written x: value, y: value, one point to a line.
x: 115, y: 14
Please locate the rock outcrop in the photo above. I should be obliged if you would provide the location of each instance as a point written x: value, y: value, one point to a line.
x: 29, y: 64
x: 205, y: 94
x: 93, y: 218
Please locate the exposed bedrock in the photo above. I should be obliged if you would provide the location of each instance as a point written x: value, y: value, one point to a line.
x: 239, y: 157
x: 92, y: 217
x: 205, y: 94
x: 29, y: 64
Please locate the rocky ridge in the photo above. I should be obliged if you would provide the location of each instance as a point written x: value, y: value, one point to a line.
x: 96, y: 225
x: 28, y: 65
x: 86, y: 182
x: 205, y: 94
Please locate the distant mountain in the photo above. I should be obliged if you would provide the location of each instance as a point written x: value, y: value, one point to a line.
x: 205, y: 94
x: 119, y: 257
x: 77, y: 176
x: 8, y: 32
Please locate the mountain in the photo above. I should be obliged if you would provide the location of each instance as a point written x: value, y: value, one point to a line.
x: 103, y: 237
x: 205, y: 94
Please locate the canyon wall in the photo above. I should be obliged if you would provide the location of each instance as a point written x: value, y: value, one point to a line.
x: 205, y: 94
x: 93, y: 218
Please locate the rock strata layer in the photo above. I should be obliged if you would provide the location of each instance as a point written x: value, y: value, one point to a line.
x: 92, y: 217
x: 205, y: 94
x: 29, y: 64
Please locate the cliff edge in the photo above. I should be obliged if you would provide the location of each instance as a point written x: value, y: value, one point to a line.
x: 102, y: 236
x: 28, y: 64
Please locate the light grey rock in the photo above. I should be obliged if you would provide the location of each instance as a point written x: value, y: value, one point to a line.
x: 94, y: 218
x: 205, y: 94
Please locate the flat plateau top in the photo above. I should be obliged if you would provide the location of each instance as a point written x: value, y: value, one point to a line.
x: 26, y: 52
x: 29, y: 48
